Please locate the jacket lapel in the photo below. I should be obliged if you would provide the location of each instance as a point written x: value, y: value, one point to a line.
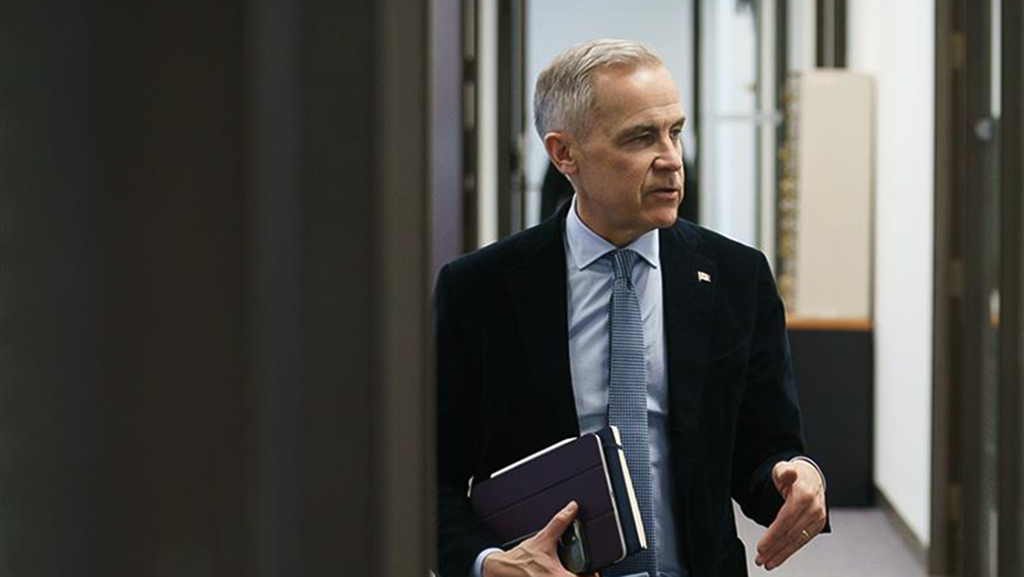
x: 538, y: 292
x: 688, y: 299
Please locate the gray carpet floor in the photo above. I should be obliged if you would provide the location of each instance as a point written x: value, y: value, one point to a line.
x: 863, y: 543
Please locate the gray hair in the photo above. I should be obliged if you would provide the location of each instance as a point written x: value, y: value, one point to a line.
x: 564, y: 94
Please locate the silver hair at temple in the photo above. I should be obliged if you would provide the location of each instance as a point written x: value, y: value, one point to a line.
x: 564, y: 94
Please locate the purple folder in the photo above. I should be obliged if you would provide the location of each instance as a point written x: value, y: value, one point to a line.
x: 521, y: 499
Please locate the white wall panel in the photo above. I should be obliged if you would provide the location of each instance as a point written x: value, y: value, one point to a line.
x: 894, y: 41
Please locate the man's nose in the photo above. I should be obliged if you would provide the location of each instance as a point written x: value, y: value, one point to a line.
x: 670, y: 157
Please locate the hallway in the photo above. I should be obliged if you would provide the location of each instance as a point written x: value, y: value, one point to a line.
x: 864, y: 542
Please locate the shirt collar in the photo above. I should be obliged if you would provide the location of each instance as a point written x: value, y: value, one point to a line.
x: 586, y: 246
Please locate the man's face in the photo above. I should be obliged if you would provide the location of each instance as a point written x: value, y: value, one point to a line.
x: 629, y: 169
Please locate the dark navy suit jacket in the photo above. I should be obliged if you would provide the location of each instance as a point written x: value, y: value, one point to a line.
x: 505, y: 390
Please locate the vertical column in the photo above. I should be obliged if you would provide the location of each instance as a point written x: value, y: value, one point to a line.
x: 48, y: 248
x: 1011, y: 369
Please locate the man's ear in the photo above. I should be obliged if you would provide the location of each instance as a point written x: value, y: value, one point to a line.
x: 559, y: 148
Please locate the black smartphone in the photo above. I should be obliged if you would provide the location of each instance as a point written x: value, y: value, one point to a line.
x: 572, y: 549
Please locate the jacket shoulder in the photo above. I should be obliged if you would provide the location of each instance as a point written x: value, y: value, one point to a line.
x: 723, y: 250
x: 490, y: 262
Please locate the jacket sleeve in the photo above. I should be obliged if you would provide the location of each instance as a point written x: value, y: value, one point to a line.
x: 768, y: 426
x: 460, y: 536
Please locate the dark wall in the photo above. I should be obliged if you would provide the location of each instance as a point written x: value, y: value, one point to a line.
x: 47, y: 303
x: 835, y: 380
x: 169, y: 209
x: 194, y: 329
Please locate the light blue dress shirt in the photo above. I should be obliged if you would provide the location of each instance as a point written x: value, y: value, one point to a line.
x: 589, y: 282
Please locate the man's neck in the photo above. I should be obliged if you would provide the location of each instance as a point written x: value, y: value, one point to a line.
x: 618, y: 238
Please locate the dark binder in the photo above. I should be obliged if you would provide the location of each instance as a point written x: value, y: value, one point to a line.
x: 622, y: 487
x: 519, y: 500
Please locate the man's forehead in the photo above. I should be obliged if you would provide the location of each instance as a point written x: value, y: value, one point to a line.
x: 634, y: 96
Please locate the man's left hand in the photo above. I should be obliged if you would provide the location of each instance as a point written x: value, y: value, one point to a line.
x: 802, y: 516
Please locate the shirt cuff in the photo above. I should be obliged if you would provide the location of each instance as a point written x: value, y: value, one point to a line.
x: 824, y: 484
x: 478, y: 566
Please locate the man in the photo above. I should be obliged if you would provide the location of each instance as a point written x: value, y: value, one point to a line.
x: 615, y: 311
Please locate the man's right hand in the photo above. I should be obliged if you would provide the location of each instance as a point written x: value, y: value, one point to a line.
x: 538, y: 555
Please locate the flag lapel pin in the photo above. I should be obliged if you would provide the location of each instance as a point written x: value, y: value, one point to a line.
x: 703, y: 276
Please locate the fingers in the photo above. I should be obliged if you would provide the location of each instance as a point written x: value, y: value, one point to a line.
x: 791, y: 547
x: 795, y: 536
x: 787, y: 528
x: 803, y: 537
x: 776, y: 535
x: 536, y: 555
x: 801, y: 518
x: 552, y: 532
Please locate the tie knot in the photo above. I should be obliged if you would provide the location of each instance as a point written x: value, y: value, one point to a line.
x: 622, y: 263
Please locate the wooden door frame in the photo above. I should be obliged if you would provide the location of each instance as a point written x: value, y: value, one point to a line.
x: 961, y: 84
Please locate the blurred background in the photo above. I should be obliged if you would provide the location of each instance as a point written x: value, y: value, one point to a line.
x: 220, y: 225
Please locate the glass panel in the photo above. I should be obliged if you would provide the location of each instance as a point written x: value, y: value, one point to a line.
x: 736, y: 193
x: 729, y: 175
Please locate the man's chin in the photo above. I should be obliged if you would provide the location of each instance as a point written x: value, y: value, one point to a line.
x: 664, y: 217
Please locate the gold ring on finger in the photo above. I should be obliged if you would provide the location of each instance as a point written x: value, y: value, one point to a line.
x: 806, y: 535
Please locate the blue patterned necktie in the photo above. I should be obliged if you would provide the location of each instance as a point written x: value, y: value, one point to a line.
x: 627, y: 402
